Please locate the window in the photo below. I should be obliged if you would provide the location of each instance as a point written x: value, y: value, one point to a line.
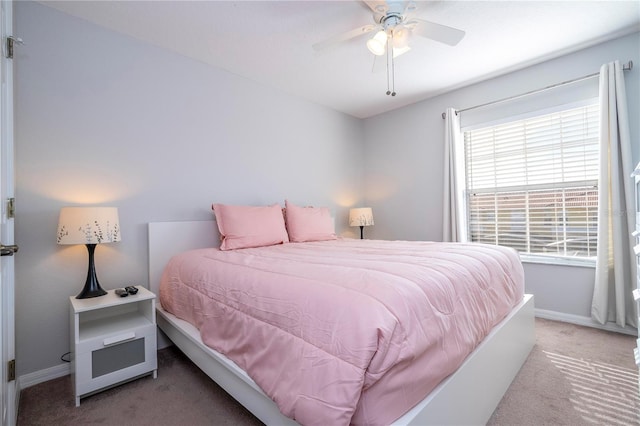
x: 532, y: 184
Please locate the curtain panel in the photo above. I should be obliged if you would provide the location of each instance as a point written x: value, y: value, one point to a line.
x: 454, y: 226
x: 615, y: 263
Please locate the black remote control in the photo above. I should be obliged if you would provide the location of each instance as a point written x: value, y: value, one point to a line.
x: 122, y: 292
x: 131, y: 289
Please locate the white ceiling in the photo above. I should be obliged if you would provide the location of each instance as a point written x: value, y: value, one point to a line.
x: 270, y: 42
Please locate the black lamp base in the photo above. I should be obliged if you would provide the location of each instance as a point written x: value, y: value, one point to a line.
x: 91, y: 286
x: 361, y: 232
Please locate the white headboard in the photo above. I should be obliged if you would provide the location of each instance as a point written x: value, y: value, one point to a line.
x: 167, y: 239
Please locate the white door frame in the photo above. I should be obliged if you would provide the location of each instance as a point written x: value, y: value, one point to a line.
x: 8, y: 400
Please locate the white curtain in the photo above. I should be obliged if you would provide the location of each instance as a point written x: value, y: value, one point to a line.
x: 612, y: 295
x: 454, y: 215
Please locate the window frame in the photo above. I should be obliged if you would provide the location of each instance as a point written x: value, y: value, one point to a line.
x: 537, y: 258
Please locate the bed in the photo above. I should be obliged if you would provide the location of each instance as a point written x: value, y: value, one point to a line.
x: 468, y: 396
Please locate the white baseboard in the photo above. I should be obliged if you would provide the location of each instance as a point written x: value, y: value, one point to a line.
x: 40, y: 376
x: 45, y: 375
x: 585, y: 321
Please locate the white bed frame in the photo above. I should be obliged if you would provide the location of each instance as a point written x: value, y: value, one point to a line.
x: 467, y: 397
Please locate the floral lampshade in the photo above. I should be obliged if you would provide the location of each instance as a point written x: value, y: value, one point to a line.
x: 362, y: 216
x: 88, y: 225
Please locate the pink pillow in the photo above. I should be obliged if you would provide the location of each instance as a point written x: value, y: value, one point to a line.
x: 248, y: 226
x: 309, y: 223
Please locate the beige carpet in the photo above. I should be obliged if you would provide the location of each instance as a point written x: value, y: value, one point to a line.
x: 574, y: 376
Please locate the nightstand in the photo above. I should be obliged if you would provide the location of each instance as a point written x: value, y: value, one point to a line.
x: 113, y: 340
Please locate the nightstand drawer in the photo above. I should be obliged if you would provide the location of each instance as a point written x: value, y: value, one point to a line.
x: 116, y: 358
x: 115, y: 338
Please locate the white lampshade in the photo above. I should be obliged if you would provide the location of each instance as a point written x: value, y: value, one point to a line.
x: 88, y: 225
x: 362, y: 216
x: 377, y: 45
x: 397, y: 51
x: 400, y: 37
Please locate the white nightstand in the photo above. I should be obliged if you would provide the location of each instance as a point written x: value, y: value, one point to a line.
x: 113, y: 340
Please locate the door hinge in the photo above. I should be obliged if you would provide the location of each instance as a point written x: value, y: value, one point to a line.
x: 11, y: 208
x: 11, y: 370
x: 10, y: 44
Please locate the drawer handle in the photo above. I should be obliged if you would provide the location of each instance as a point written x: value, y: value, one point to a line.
x: 117, y: 339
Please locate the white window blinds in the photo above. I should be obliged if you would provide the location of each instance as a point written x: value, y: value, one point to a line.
x: 532, y: 184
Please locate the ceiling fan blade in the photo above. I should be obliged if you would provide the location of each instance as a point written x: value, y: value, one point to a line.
x: 379, y: 9
x: 332, y: 41
x: 377, y: 6
x: 437, y: 32
x: 409, y: 9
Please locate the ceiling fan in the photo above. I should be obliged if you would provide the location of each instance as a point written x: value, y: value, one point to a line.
x: 394, y: 25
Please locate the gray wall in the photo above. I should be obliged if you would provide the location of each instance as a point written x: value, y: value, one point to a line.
x: 104, y: 119
x: 404, y: 152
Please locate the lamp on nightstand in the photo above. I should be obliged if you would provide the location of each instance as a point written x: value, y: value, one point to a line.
x: 362, y: 216
x: 89, y: 226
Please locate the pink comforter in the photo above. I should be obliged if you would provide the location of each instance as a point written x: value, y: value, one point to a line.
x: 345, y: 331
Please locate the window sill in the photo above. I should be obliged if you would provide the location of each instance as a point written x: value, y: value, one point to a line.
x: 555, y: 260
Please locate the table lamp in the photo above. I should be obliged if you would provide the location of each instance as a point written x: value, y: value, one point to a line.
x: 89, y: 226
x: 362, y: 216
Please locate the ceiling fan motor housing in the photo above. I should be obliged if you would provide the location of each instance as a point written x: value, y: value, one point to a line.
x: 390, y: 21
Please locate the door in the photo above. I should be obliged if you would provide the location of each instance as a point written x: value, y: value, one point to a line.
x: 7, y: 340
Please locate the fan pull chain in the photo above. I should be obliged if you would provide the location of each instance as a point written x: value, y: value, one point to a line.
x: 391, y: 70
x: 388, y: 76
x: 393, y: 74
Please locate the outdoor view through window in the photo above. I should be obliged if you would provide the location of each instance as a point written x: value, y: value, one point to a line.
x: 532, y: 184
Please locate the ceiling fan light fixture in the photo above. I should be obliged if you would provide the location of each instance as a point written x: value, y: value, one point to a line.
x: 397, y: 51
x: 378, y: 43
x: 400, y: 37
